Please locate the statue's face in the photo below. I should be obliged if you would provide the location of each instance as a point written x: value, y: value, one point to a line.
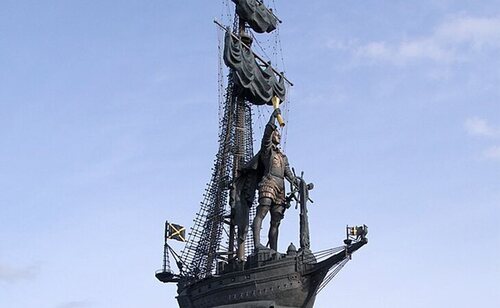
x: 276, y: 137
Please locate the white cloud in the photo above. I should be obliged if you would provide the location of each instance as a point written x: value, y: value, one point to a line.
x: 11, y: 274
x: 475, y: 32
x: 453, y: 40
x: 75, y: 304
x: 480, y: 127
x: 492, y: 153
x: 405, y: 51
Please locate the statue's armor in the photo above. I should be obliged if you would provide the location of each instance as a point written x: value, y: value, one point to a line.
x: 266, y: 172
x: 276, y: 168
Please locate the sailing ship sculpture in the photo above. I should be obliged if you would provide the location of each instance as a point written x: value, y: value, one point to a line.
x: 240, y: 271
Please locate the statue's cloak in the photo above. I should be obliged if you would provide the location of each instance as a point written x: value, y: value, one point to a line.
x: 245, y: 186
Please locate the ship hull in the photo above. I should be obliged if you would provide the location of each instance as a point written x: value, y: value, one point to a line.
x: 267, y: 280
x: 283, y: 282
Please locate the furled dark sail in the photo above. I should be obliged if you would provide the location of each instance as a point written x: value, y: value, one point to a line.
x: 256, y: 84
x: 256, y: 15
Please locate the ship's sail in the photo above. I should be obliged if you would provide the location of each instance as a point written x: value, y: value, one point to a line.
x: 257, y: 15
x: 254, y: 83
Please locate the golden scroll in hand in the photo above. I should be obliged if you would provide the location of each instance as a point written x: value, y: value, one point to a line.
x: 276, y: 105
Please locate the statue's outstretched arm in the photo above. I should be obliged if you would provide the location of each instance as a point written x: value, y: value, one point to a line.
x: 268, y: 132
x: 273, y: 116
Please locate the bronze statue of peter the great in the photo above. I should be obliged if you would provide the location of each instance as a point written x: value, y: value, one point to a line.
x: 272, y: 185
x: 267, y: 172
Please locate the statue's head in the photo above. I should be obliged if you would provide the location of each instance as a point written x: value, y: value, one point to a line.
x: 276, y: 137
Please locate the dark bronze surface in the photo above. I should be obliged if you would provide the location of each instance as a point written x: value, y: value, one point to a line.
x: 264, y: 277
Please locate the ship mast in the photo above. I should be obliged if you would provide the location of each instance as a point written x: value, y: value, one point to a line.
x: 235, y: 147
x: 219, y: 242
x: 214, y: 221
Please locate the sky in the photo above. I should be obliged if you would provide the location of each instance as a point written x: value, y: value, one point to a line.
x: 109, y: 123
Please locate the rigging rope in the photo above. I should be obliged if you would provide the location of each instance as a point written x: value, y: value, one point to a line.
x: 332, y: 273
x: 209, y: 233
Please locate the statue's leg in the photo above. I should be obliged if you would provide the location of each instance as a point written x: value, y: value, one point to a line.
x: 262, y: 209
x: 276, y: 217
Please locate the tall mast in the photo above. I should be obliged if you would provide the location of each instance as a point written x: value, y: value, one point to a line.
x: 219, y: 242
x: 235, y: 148
x: 205, y: 241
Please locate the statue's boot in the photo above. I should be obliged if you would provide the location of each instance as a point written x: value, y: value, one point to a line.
x: 274, y: 229
x: 257, y: 225
x: 273, y: 235
x: 260, y: 247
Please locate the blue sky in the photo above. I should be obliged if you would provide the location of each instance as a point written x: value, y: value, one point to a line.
x: 109, y: 120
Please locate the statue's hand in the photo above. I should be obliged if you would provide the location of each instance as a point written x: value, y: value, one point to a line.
x: 276, y: 112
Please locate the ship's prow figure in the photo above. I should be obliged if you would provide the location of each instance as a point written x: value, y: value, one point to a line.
x: 265, y: 172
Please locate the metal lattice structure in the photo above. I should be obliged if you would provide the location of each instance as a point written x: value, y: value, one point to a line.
x: 218, y: 266
x: 235, y: 148
x: 211, y: 232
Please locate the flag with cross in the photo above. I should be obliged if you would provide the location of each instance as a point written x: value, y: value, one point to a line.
x: 175, y: 232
